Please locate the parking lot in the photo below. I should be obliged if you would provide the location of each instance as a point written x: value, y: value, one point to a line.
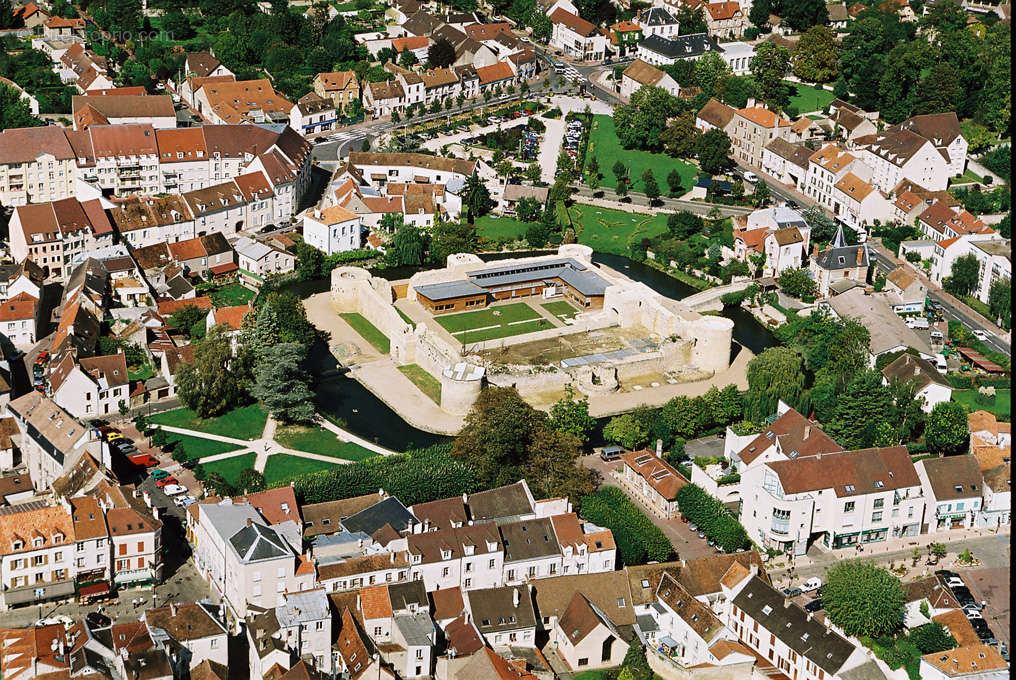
x: 991, y: 585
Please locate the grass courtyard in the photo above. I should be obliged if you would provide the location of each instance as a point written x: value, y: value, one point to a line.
x: 500, y: 229
x: 282, y: 466
x: 232, y: 295
x: 1002, y: 408
x: 493, y: 323
x: 427, y: 383
x: 230, y: 468
x: 368, y: 331
x: 245, y: 422
x: 321, y: 441
x: 605, y: 147
x: 807, y: 98
x: 561, y: 309
x: 610, y: 231
x: 199, y: 447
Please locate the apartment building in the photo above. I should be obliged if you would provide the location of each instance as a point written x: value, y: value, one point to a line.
x: 859, y: 205
x: 155, y: 110
x: 190, y: 632
x: 19, y: 320
x: 940, y: 221
x: 531, y: 550
x: 943, y: 131
x: 577, y: 37
x: 300, y: 625
x: 752, y: 128
x: 653, y: 481
x: 826, y: 167
x: 53, y: 234
x: 341, y: 87
x: 953, y: 489
x: 36, y: 165
x: 93, y: 569
x: 790, y: 436
x: 51, y: 439
x: 384, y: 168
x: 503, y: 616
x: 725, y: 19
x: 787, y: 162
x: 657, y: 21
x: 900, y: 154
x: 135, y: 533
x: 466, y: 556
x: 841, y: 499
x: 993, y: 254
x: 90, y: 387
x: 332, y: 230
x: 36, y: 554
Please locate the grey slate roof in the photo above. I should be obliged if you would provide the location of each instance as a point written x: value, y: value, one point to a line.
x: 504, y: 501
x: 228, y: 518
x: 389, y: 511
x: 256, y: 542
x: 416, y: 629
x: 529, y: 539
x: 300, y: 607
x: 841, y: 256
x: 790, y: 624
x: 402, y: 595
x: 681, y: 47
x: 656, y: 16
x: 494, y: 609
x: 449, y: 290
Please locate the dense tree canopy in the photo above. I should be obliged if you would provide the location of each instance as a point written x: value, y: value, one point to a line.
x: 208, y: 386
x: 864, y: 599
x: 816, y: 56
x: 640, y: 123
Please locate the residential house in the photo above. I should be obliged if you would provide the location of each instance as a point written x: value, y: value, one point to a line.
x: 499, y: 75
x: 36, y: 165
x: 51, y: 234
x: 987, y: 430
x: 784, y: 249
x: 751, y: 129
x: 715, y: 115
x: 839, y: 261
x: 790, y: 436
x: 931, y: 385
x: 485, y: 663
x: 504, y: 616
x: 52, y: 441
x: 190, y: 632
x: 888, y: 332
x: 725, y: 19
x: 341, y: 87
x: 244, y: 101
x: 943, y: 130
x: 26, y: 277
x: 466, y: 557
x: 301, y: 624
x: 358, y: 656
x: 585, y: 638
x: 952, y: 486
x: 657, y: 21
x: 660, y: 51
x: 203, y: 65
x: 625, y: 37
x: 531, y: 550
x: 577, y: 37
x: 36, y: 559
x: 686, y: 631
x: 513, y: 193
x: 19, y: 320
x: 898, y: 154
x: 258, y: 261
x: 585, y: 547
x: 639, y: 74
x: 995, y: 463
x: 910, y: 289
x: 313, y: 114
x: 858, y: 204
x: 90, y: 387
x: 155, y: 110
x: 332, y: 230
x: 738, y: 56
x: 970, y: 661
x: 653, y: 481
x: 382, y: 99
x: 382, y: 168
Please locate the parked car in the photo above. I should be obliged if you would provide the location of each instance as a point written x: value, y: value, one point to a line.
x: 98, y: 620
x: 972, y: 613
x: 113, y: 436
x: 144, y: 460
x: 168, y: 480
x: 750, y: 177
x: 189, y: 464
x: 174, y: 489
x: 693, y: 527
x: 793, y: 591
x: 814, y: 583
x: 814, y: 606
x: 158, y: 474
x: 701, y: 535
x: 180, y: 501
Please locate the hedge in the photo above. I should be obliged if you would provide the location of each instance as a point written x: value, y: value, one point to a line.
x: 413, y: 477
x: 638, y: 539
x: 964, y: 382
x: 712, y: 518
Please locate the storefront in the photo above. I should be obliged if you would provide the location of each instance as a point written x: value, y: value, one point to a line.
x: 845, y: 540
x: 874, y: 535
x: 94, y: 592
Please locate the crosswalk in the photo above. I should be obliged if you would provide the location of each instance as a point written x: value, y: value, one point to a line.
x: 344, y: 136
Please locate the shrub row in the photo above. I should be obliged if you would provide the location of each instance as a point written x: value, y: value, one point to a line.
x: 638, y: 539
x: 712, y: 517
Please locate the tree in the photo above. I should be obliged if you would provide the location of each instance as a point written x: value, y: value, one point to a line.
x: 14, y: 111
x: 684, y: 224
x: 627, y: 431
x: 571, y: 416
x: 762, y: 194
x: 622, y: 188
x: 1000, y: 301
x: 528, y: 209
x: 620, y: 170
x: 823, y: 227
x: 7, y: 18
x: 533, y: 172
x: 759, y: 13
x: 680, y: 136
x: 963, y: 277
x: 593, y: 167
x: 541, y: 25
x: 407, y: 246
x: 709, y: 69
x: 861, y: 409
x: 947, y: 430
x: 448, y: 238
x: 536, y: 235
x: 640, y: 123
x: 219, y: 485
x: 685, y: 417
x: 769, y: 67
x: 505, y: 439
x: 775, y: 374
x: 948, y: 16
x: 801, y: 15
x: 250, y: 481
x: 283, y: 385
x: 441, y: 53
x: 713, y: 150
x: 309, y: 261
x: 636, y: 663
x: 797, y: 283
x: 186, y: 318
x: 940, y: 90
x: 816, y: 56
x: 477, y: 198
x: 649, y: 185
x: 691, y: 20
x: 931, y: 638
x: 208, y: 386
x: 864, y: 599
x: 674, y: 182
x: 407, y: 58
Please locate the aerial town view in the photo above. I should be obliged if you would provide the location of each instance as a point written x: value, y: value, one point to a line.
x: 505, y: 339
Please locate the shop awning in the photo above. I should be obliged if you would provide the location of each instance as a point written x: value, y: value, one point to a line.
x: 94, y: 590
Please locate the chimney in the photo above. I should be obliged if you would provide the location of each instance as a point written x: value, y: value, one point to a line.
x: 426, y: 525
x: 465, y: 499
x: 249, y: 522
x: 381, y: 493
x: 750, y: 103
x: 515, y: 597
x: 659, y: 448
x: 917, y: 370
x: 810, y: 616
x: 807, y: 432
x: 860, y: 256
x: 172, y: 609
x: 753, y: 569
x: 786, y: 603
x: 357, y: 600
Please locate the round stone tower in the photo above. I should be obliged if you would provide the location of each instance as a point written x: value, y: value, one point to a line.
x: 460, y: 387
x: 712, y: 336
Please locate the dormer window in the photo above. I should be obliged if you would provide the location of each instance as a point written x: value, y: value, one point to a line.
x: 37, y: 542
x: 18, y: 545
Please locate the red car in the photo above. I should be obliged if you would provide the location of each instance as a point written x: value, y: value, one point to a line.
x: 166, y: 480
x: 144, y: 459
x: 43, y: 357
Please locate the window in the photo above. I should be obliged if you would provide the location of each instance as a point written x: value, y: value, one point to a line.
x: 876, y: 516
x: 620, y: 603
x: 878, y: 503
x: 214, y: 643
x: 848, y: 506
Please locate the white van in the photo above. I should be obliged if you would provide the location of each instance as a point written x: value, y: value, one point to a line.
x: 917, y: 322
x: 940, y: 363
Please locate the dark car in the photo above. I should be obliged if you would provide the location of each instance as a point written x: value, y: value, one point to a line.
x: 981, y: 628
x: 267, y: 228
x: 189, y: 464
x: 98, y: 620
x: 945, y: 573
x: 793, y: 591
x: 814, y: 606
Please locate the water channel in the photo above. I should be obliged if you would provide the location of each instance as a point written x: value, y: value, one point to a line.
x: 358, y: 410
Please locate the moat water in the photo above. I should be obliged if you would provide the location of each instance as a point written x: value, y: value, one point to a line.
x: 354, y: 407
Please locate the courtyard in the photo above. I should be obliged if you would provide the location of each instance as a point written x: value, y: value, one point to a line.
x: 496, y: 321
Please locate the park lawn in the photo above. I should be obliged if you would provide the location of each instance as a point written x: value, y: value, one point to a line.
x: 561, y: 309
x: 1002, y: 407
x: 230, y: 468
x: 319, y: 440
x: 492, y: 316
x: 427, y: 383
x: 368, y: 331
x: 282, y: 466
x: 605, y: 147
x: 232, y: 295
x: 245, y: 422
x: 610, y: 231
x: 806, y: 98
x: 500, y: 229
x: 199, y: 447
x: 530, y: 326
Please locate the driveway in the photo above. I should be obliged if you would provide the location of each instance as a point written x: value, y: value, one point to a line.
x: 550, y: 149
x: 687, y: 544
x: 706, y: 447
